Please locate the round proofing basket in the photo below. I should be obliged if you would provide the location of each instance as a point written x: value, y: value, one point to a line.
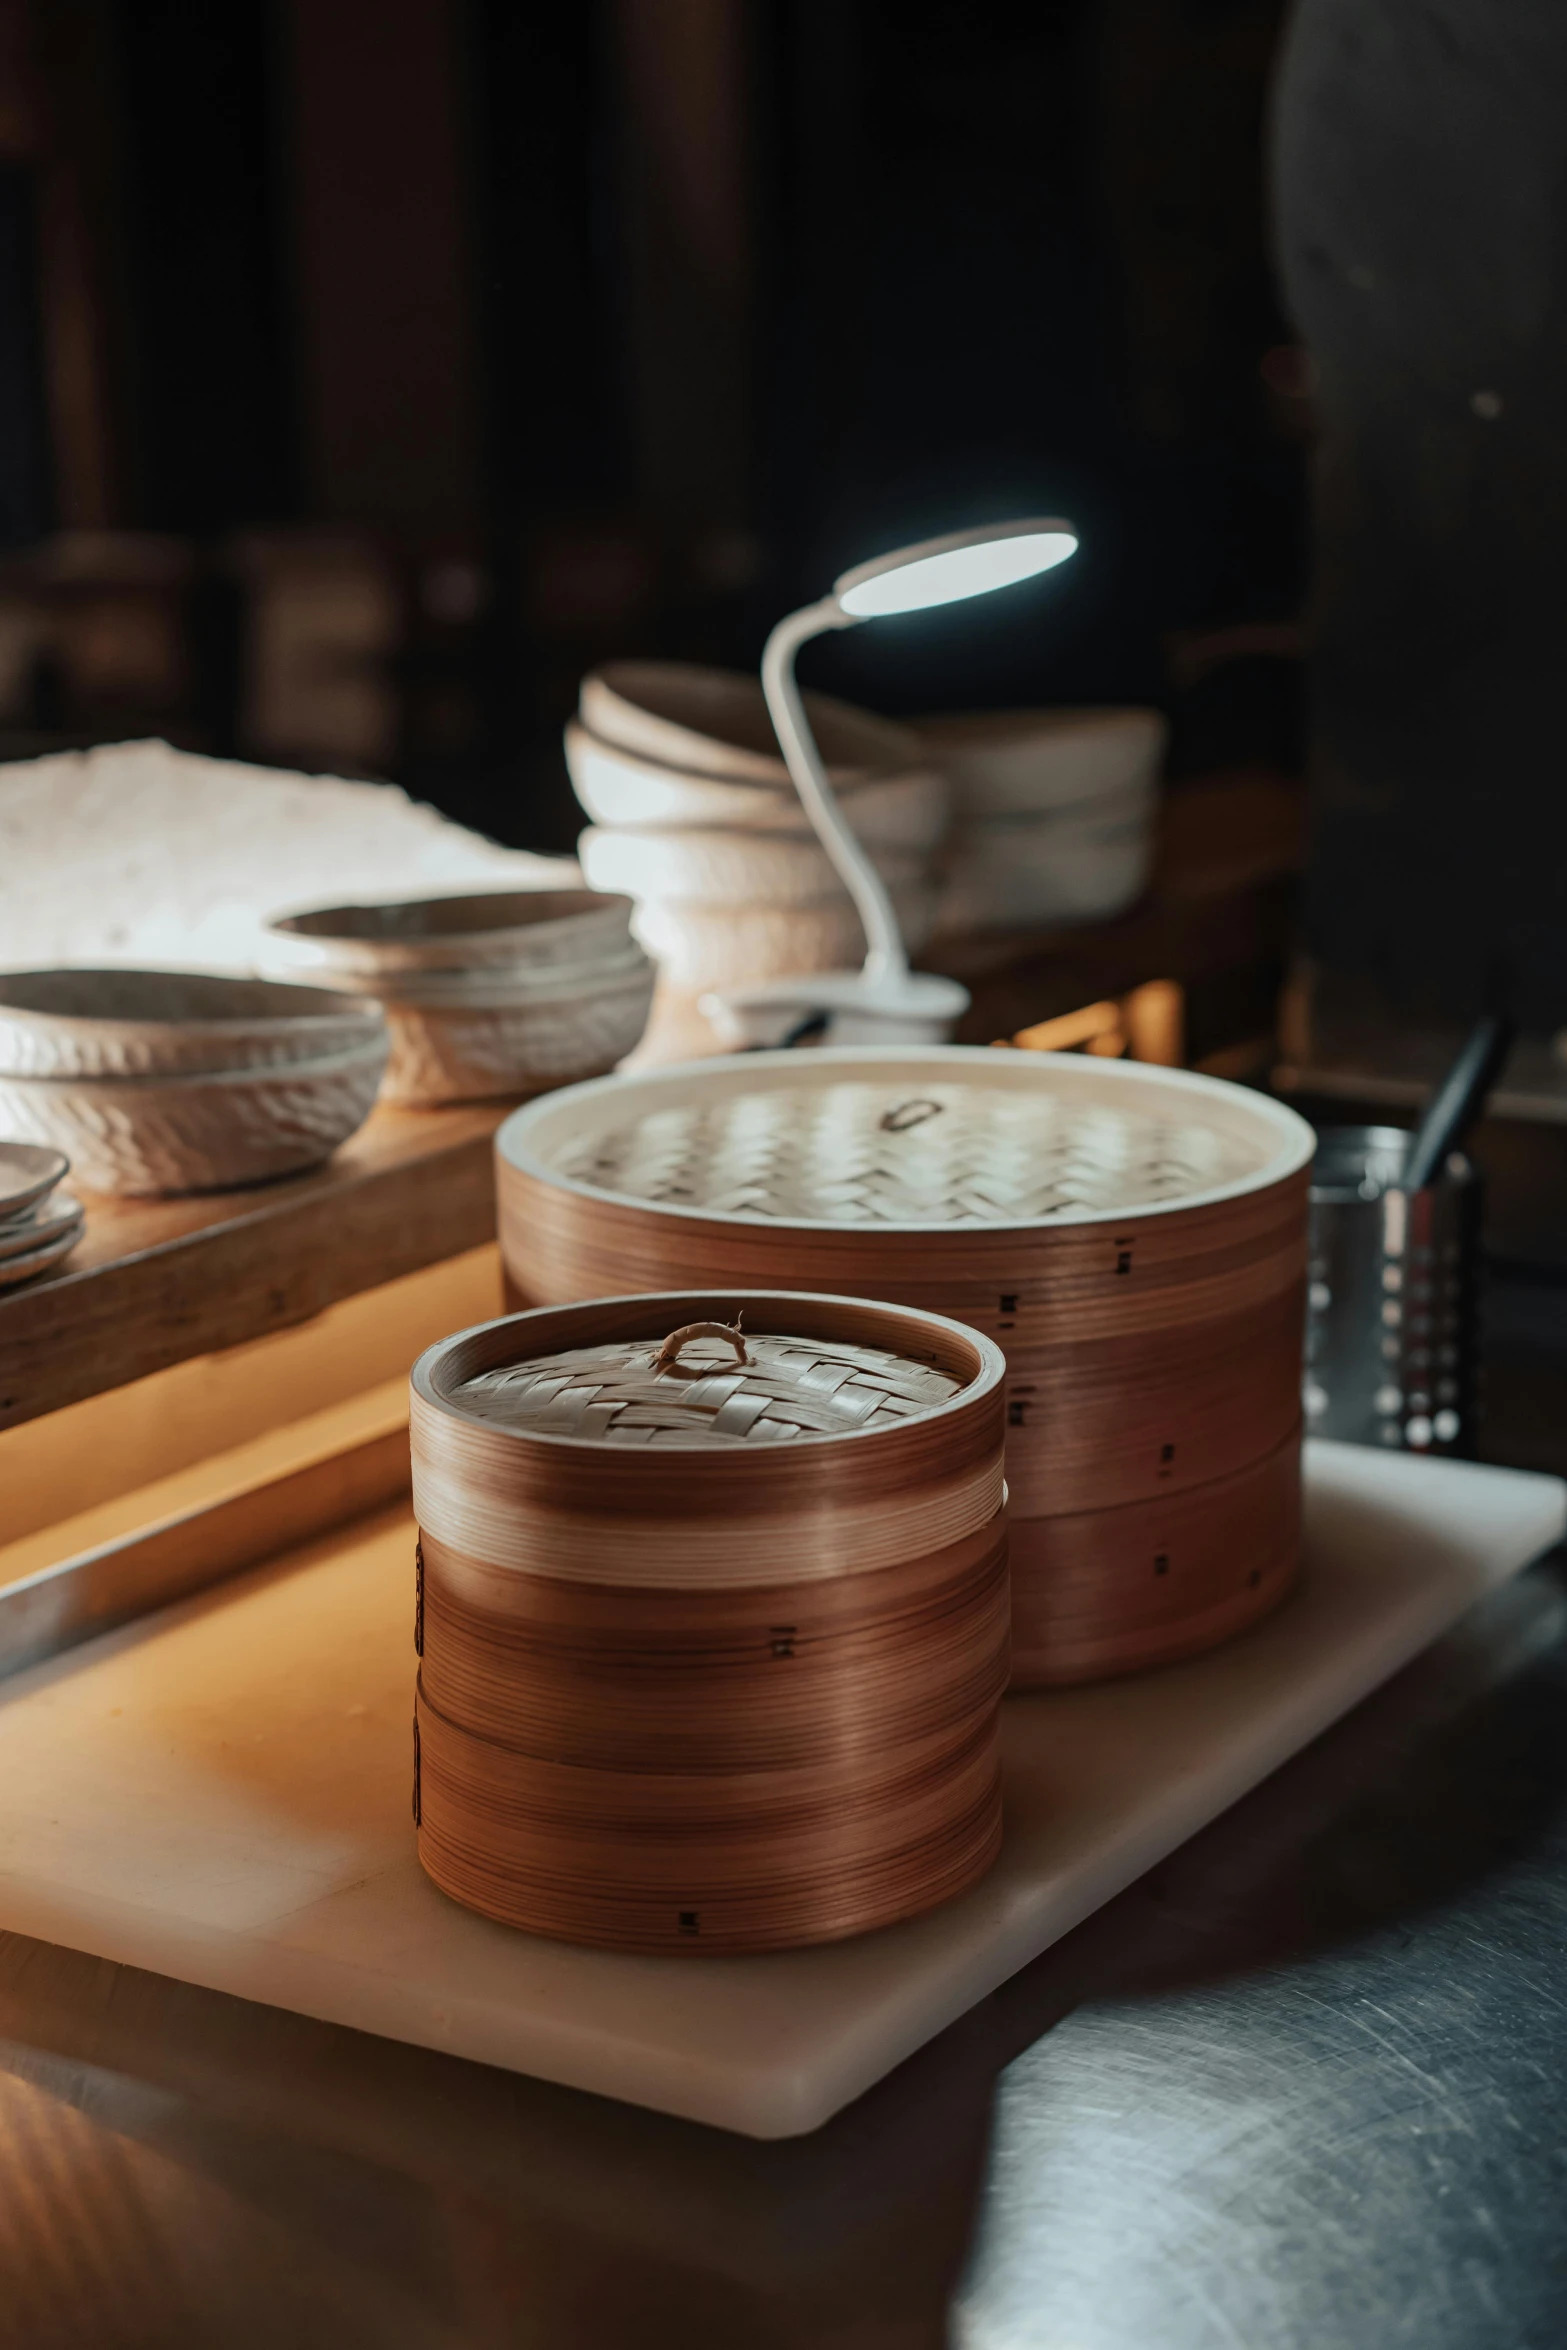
x: 513, y: 1041
x: 1134, y: 1238
x: 710, y: 1696
x: 148, y: 1136
x: 132, y: 1024
x: 1033, y: 762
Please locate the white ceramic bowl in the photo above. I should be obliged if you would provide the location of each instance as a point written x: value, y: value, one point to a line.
x: 168, y: 1023
x: 210, y: 1132
x: 558, y: 982
x: 1028, y: 762
x: 1030, y: 876
x: 511, y: 1042
x: 28, y: 1173
x: 620, y: 788
x: 706, y: 946
x: 59, y: 1218
x: 14, y: 1270
x: 715, y: 722
x: 725, y: 868
x: 365, y: 947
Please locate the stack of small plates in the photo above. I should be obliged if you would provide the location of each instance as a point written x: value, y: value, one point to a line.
x: 38, y: 1223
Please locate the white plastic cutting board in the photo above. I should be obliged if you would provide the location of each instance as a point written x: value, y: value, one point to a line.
x: 221, y: 1794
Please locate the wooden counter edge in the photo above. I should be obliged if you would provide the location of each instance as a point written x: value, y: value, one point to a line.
x: 279, y: 1257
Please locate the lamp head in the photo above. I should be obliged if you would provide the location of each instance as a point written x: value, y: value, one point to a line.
x: 945, y: 570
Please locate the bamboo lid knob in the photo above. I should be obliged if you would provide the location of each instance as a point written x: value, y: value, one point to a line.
x: 667, y: 1361
x: 705, y: 1384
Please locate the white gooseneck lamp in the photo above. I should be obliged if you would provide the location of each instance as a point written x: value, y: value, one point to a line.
x: 884, y: 1002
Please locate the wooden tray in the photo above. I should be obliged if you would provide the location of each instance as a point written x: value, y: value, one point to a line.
x: 221, y: 1794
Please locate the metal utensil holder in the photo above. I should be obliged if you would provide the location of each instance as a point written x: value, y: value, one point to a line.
x: 1392, y: 1315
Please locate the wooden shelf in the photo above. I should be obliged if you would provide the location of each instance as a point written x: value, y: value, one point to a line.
x: 154, y: 1282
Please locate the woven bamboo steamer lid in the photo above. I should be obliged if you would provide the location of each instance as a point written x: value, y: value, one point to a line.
x: 712, y: 1651
x: 1135, y: 1238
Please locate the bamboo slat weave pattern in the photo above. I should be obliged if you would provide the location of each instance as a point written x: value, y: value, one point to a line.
x: 786, y: 1388
x: 859, y: 1153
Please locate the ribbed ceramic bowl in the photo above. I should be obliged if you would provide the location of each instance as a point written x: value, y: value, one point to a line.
x: 131, y: 1024
x: 620, y: 788
x: 715, y: 722
x: 703, y: 946
x: 1028, y: 762
x: 209, y: 1132
x: 365, y: 947
x: 507, y: 1042
x: 1002, y: 874
x: 489, y: 984
x: 726, y: 868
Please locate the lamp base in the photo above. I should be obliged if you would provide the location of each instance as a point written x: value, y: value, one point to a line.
x: 896, y: 1007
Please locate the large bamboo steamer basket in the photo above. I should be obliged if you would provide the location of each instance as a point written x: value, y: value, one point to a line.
x: 712, y: 1662
x: 1089, y: 1590
x: 1134, y: 1238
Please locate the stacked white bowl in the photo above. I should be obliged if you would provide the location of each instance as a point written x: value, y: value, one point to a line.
x: 1054, y: 813
x: 497, y: 995
x: 695, y: 817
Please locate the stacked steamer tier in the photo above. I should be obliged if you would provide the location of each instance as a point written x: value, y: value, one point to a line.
x: 1134, y: 1238
x: 712, y: 1619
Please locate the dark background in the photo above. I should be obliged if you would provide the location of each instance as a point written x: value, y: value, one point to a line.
x: 542, y: 333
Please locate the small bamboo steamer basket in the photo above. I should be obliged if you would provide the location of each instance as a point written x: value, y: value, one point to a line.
x: 1133, y: 1237
x: 711, y: 1659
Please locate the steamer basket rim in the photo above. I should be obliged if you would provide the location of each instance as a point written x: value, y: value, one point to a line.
x: 1297, y: 1140
x: 988, y: 1378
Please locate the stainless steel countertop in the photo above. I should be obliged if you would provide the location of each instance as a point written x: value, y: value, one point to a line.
x: 1302, y: 2086
x: 1349, y: 2125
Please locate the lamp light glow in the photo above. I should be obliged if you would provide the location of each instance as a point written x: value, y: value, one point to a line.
x: 946, y: 570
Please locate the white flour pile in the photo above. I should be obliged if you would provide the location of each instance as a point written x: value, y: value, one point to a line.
x: 136, y: 853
